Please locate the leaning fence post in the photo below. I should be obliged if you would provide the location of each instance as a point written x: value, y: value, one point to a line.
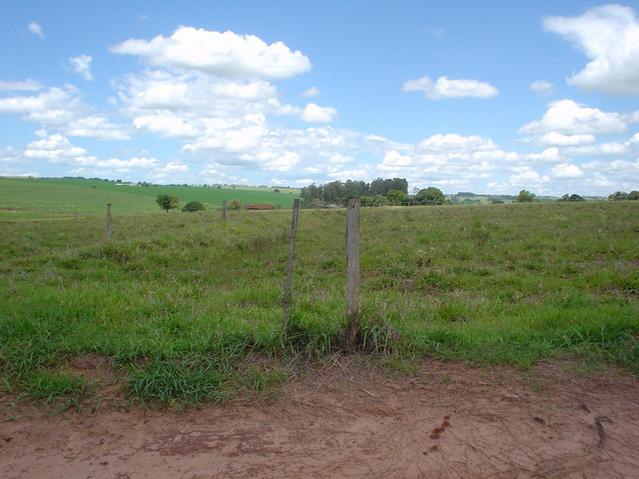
x: 352, y: 271
x: 224, y: 210
x: 109, y: 227
x: 288, y: 285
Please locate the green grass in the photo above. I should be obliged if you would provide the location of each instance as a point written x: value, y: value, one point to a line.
x: 32, y: 198
x: 181, y: 303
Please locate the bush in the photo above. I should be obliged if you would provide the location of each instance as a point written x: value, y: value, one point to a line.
x: 234, y: 205
x: 193, y: 206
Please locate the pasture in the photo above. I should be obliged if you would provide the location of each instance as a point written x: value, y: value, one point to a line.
x: 35, y: 198
x: 181, y: 308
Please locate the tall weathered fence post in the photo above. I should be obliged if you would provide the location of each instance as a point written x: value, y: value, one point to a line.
x: 352, y: 271
x: 224, y: 210
x: 288, y: 285
x: 109, y: 227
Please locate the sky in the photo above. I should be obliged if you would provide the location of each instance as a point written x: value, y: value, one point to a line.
x: 489, y: 97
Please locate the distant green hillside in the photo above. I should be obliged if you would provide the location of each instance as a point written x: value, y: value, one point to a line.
x: 30, y: 198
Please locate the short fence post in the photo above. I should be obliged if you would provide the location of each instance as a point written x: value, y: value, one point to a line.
x: 288, y: 285
x: 224, y: 210
x: 352, y: 271
x: 109, y: 227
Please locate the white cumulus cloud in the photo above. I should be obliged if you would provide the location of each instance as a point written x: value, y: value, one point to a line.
x: 445, y: 88
x: 542, y: 87
x: 566, y: 170
x: 609, y: 37
x: 571, y: 118
x: 81, y: 64
x: 311, y: 92
x: 559, y: 139
x: 24, y: 85
x: 53, y: 148
x: 549, y: 155
x: 313, y: 113
x: 36, y: 29
x: 224, y: 54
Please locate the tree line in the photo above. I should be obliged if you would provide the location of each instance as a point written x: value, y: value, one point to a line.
x: 379, y: 192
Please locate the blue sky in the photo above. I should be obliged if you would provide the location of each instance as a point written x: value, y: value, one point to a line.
x: 482, y: 96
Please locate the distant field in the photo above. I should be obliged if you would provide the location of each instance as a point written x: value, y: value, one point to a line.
x: 179, y: 307
x: 31, y: 198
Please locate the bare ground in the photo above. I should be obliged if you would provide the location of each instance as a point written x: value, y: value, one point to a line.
x: 445, y: 421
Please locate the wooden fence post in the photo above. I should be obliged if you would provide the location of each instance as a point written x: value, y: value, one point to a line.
x: 109, y: 227
x: 288, y: 285
x: 224, y: 210
x: 352, y: 271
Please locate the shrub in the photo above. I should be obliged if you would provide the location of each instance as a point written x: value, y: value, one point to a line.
x: 192, y: 206
x: 234, y: 205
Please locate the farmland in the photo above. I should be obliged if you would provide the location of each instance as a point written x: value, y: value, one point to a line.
x: 30, y: 198
x: 181, y: 308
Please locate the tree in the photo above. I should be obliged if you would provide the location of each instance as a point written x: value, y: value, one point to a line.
x: 167, y: 202
x: 193, y: 206
x: 311, y: 194
x: 618, y: 196
x: 430, y: 196
x: 380, y: 200
x: 633, y: 195
x: 525, y: 196
x: 571, y: 198
x: 367, y: 200
x: 396, y: 197
x: 234, y: 205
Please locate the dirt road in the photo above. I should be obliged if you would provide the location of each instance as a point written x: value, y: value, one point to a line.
x: 447, y: 421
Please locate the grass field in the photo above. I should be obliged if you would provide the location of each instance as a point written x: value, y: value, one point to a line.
x: 185, y: 309
x: 33, y: 198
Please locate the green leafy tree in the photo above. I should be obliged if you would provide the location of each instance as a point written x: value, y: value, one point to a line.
x: 367, y: 200
x: 525, y: 196
x: 167, y: 202
x: 571, y: 198
x: 380, y: 200
x: 618, y: 196
x: 396, y: 197
x: 633, y: 195
x: 430, y: 196
x: 193, y: 206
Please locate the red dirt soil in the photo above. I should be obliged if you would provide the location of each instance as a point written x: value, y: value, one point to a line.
x: 445, y: 421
